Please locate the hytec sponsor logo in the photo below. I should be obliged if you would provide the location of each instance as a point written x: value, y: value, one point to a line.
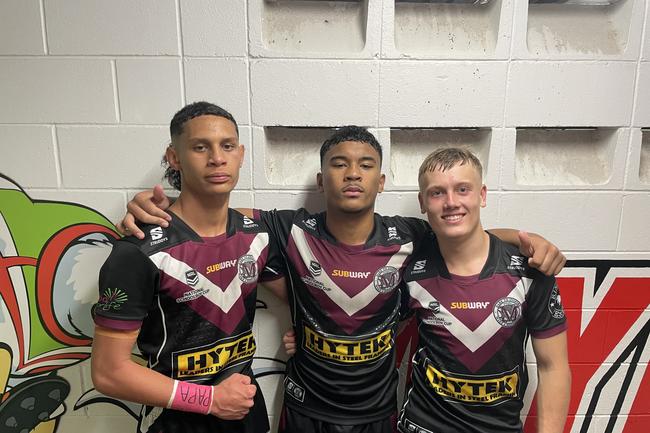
x: 483, y: 389
x: 345, y: 350
x: 205, y: 361
x: 221, y: 265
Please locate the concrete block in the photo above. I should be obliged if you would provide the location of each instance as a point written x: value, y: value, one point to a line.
x: 213, y: 27
x: 120, y: 27
x: 314, y: 93
x: 409, y: 147
x: 559, y: 158
x: 308, y: 29
x: 642, y: 110
x: 573, y: 221
x: 44, y: 90
x: 442, y: 94
x: 313, y: 201
x: 242, y: 199
x: 149, y: 90
x: 560, y: 31
x: 21, y: 31
x: 111, y: 204
x: 570, y: 94
x: 28, y: 155
x: 635, y: 231
x: 220, y: 81
x: 287, y: 158
x: 111, y: 157
x: 416, y: 29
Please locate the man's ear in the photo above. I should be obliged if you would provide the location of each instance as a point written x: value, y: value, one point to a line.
x: 319, y: 182
x: 382, y: 181
x: 483, y: 196
x: 421, y: 203
x: 242, y: 153
x: 172, y: 158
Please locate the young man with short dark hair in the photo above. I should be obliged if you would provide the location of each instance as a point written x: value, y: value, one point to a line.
x: 186, y: 293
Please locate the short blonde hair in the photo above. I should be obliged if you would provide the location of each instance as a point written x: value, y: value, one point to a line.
x: 447, y: 157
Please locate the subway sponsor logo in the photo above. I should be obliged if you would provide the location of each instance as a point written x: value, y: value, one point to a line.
x: 346, y: 350
x: 219, y: 266
x: 479, y: 389
x: 349, y: 274
x: 469, y: 305
x: 209, y: 360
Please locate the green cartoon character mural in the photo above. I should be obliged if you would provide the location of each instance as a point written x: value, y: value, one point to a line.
x: 49, y: 256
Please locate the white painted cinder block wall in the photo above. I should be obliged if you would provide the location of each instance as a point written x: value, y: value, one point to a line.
x: 87, y: 88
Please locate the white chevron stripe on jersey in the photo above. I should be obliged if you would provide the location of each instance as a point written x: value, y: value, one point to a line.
x: 223, y: 299
x: 473, y: 340
x: 349, y: 304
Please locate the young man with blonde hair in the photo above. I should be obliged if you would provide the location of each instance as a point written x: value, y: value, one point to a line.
x: 477, y: 301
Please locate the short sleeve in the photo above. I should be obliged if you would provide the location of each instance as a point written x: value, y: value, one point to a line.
x: 128, y: 283
x: 545, y: 316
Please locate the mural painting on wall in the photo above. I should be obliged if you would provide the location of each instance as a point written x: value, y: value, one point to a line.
x: 50, y: 253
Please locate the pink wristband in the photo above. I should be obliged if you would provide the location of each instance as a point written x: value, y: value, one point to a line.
x: 190, y: 397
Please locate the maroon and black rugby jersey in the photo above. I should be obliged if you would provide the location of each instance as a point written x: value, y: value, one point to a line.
x: 345, y: 303
x: 469, y: 372
x: 193, y: 300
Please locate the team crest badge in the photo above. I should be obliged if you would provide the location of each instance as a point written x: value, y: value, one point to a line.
x: 247, y: 269
x: 507, y: 311
x: 555, y: 304
x: 386, y: 279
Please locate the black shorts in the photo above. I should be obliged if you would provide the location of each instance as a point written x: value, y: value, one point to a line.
x: 295, y: 422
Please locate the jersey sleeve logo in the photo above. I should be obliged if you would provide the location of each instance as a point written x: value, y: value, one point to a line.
x: 386, y: 279
x: 247, y: 268
x: 112, y: 299
x: 555, y: 303
x: 507, y: 311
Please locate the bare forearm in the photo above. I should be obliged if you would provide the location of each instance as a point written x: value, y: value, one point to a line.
x: 133, y: 382
x: 509, y: 236
x: 553, y: 394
